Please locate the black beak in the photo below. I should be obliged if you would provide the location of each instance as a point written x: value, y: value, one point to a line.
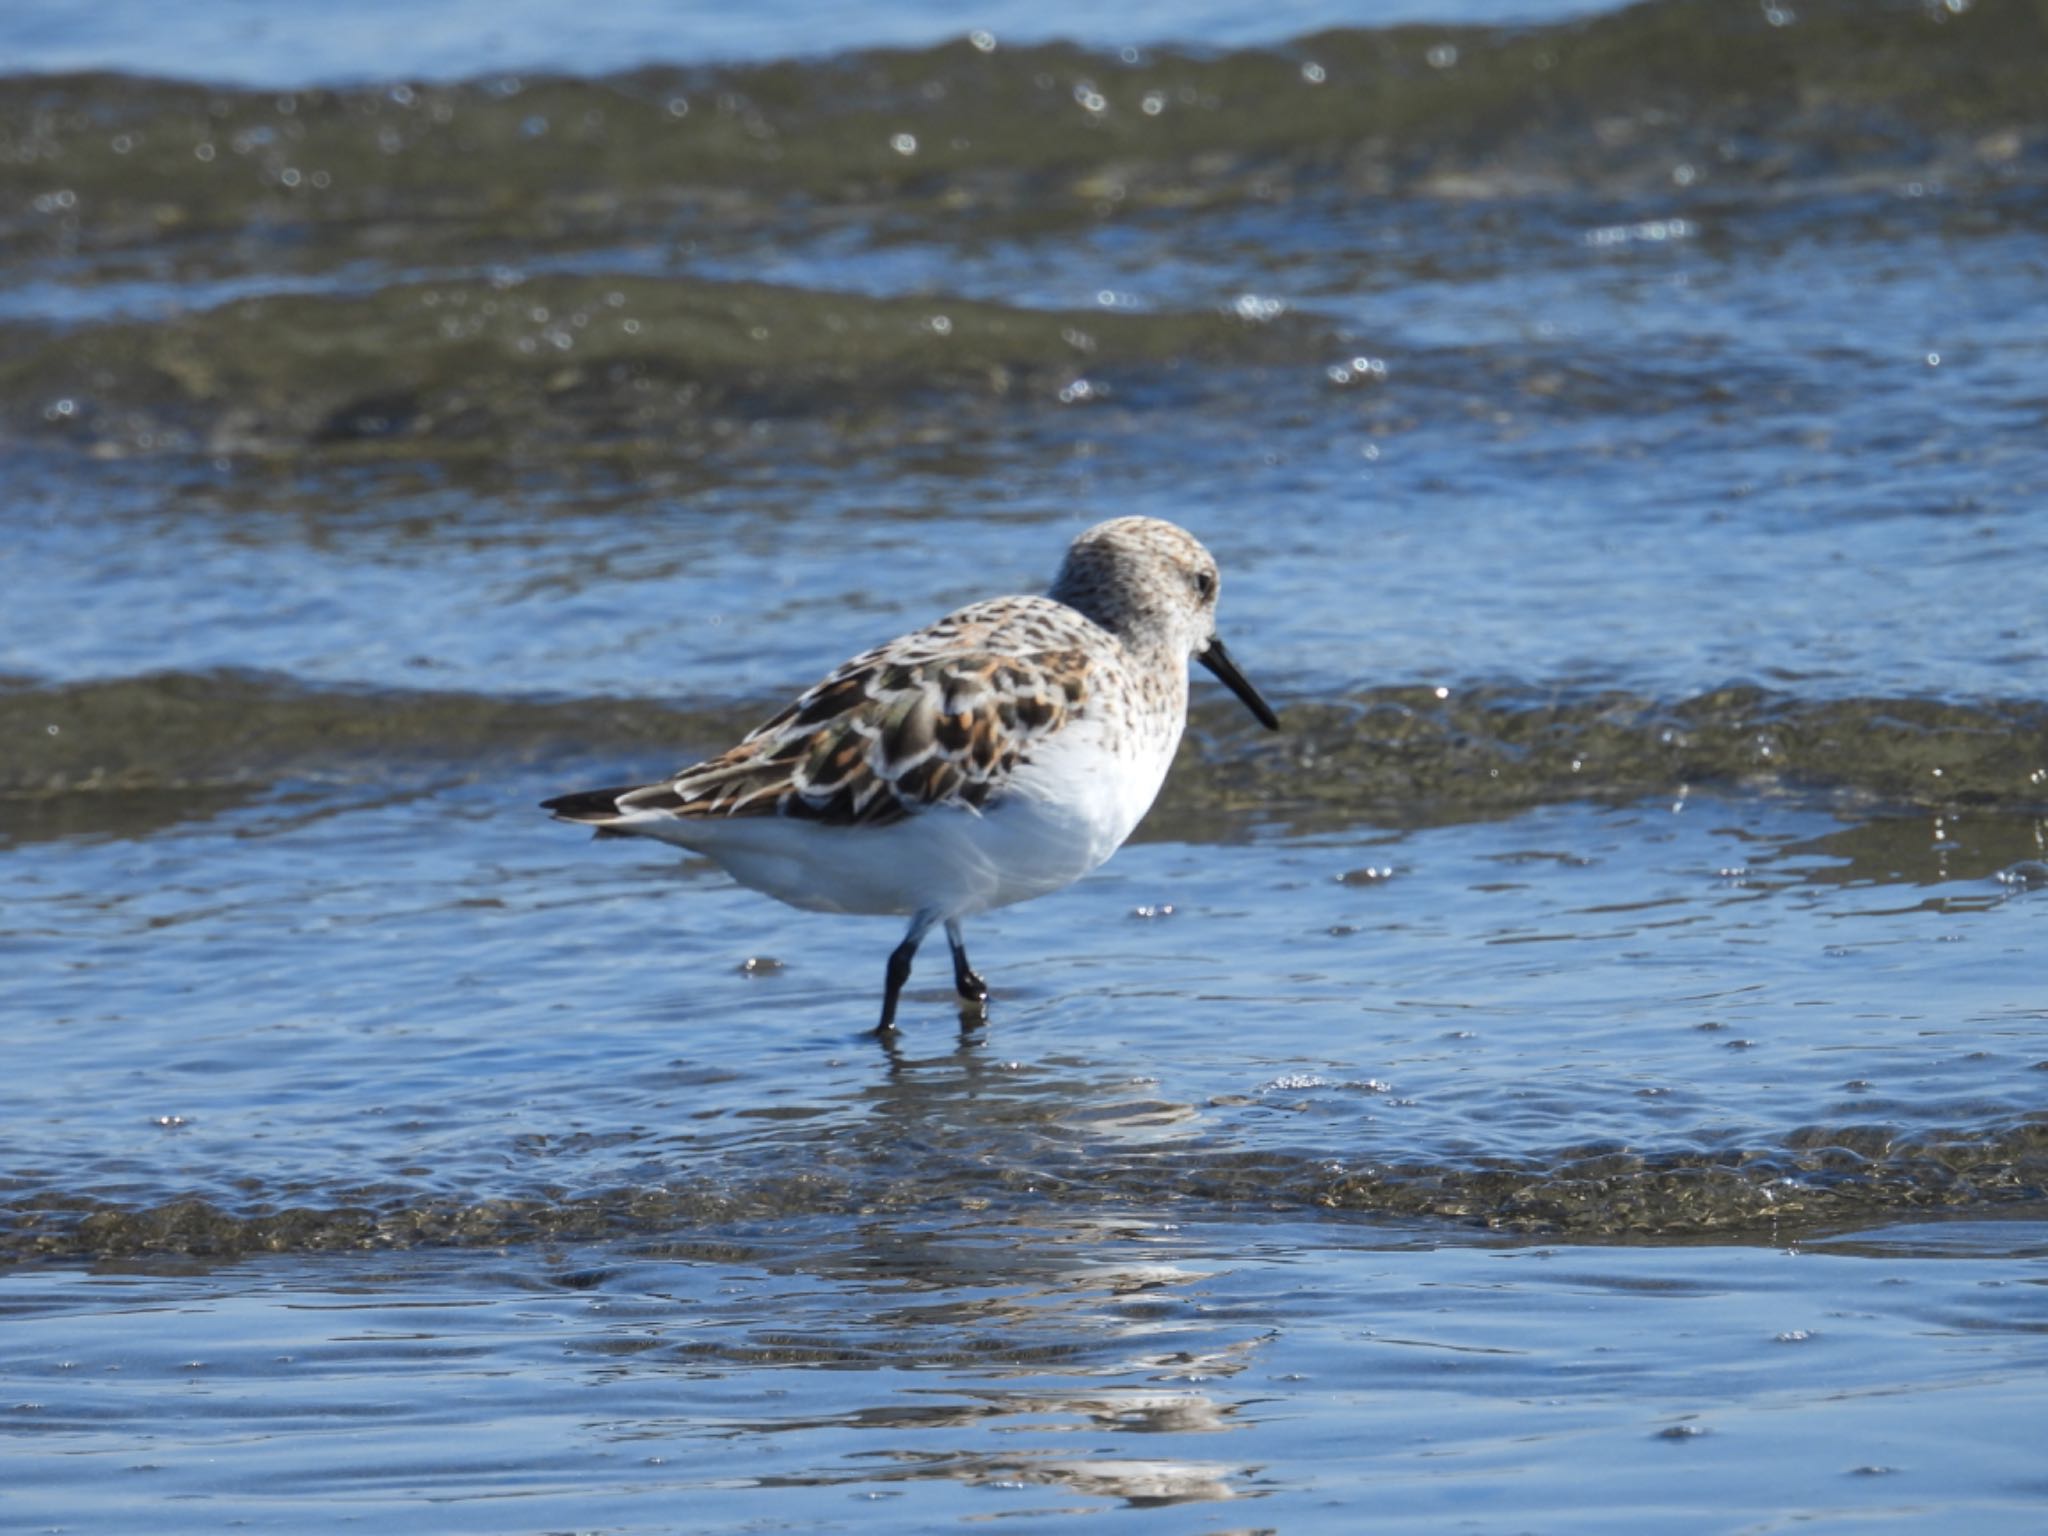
x: 1217, y: 660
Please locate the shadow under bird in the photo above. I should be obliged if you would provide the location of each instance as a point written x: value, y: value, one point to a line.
x: 996, y: 755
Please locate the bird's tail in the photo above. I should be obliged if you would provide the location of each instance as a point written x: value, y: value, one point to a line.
x: 590, y: 808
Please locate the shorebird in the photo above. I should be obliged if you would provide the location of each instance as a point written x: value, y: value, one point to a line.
x: 998, y: 754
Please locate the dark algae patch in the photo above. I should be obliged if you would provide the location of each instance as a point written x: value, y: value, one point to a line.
x: 581, y: 362
x: 1396, y: 753
x: 1046, y: 135
x: 1818, y: 1178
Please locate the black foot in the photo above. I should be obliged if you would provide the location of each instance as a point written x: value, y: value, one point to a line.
x: 971, y: 987
x: 898, y: 973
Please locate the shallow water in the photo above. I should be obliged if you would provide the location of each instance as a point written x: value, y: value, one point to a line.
x: 1588, y: 1070
x: 1251, y: 1374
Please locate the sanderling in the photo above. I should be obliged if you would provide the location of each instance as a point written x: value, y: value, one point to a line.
x: 997, y: 755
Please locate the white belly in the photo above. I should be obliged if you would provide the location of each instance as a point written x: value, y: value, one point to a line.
x: 1065, y: 812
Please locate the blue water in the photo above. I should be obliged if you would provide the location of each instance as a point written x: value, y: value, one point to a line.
x: 292, y: 44
x: 1419, y: 1158
x: 1245, y: 1375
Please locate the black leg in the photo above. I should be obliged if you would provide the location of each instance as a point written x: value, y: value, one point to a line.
x: 970, y: 986
x: 899, y: 970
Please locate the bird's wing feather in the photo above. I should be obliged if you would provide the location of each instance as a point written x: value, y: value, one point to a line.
x: 887, y: 735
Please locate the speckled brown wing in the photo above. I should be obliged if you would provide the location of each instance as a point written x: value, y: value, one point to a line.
x: 885, y: 737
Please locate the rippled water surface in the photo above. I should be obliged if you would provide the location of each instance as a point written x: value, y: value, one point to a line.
x: 1589, y: 1071
x: 1243, y: 1375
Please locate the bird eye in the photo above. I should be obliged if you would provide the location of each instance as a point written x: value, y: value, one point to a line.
x: 1205, y: 584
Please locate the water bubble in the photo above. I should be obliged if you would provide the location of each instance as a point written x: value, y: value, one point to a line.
x: 941, y: 325
x: 1077, y: 393
x: 984, y: 41
x: 1442, y: 56
x: 679, y: 106
x: 903, y: 143
x: 1649, y: 231
x: 122, y: 143
x: 1314, y: 73
x: 2026, y: 875
x: 202, y: 152
x: 290, y: 176
x: 1090, y: 99
x: 1148, y: 913
x: 1934, y: 359
x: 534, y: 127
x: 1356, y: 370
x: 1256, y: 309
x: 1153, y: 104
x: 1293, y: 1082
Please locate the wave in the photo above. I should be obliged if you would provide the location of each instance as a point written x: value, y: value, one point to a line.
x: 483, y: 362
x: 1741, y: 94
x: 1814, y: 1179
x: 1391, y: 753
